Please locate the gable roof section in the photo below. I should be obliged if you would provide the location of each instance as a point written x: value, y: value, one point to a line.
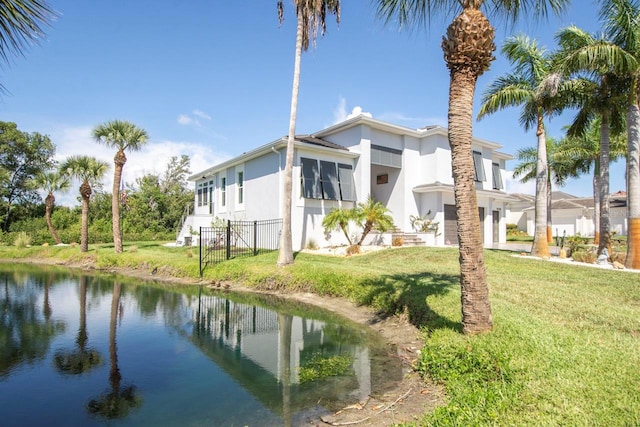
x: 305, y: 141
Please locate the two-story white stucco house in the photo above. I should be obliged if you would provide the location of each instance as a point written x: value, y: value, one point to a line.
x: 408, y: 170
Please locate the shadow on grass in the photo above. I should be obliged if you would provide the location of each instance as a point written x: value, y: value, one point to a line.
x: 408, y: 293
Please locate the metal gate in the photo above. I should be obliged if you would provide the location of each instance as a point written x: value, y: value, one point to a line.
x: 238, y: 239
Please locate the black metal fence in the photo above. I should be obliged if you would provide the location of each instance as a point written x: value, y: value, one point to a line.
x: 238, y: 239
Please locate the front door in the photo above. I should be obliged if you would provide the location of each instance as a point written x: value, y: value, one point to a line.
x: 450, y: 225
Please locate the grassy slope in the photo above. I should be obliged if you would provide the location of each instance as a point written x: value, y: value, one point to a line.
x: 565, y: 348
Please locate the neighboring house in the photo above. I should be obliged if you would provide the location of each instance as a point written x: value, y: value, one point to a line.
x: 570, y: 215
x: 408, y: 170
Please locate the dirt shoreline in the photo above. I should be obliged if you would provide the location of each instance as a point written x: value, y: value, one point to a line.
x: 408, y: 401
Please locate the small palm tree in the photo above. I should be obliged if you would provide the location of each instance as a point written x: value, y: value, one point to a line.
x: 372, y: 214
x: 339, y: 219
x: 311, y: 15
x: 89, y: 171
x: 52, y: 181
x: 125, y: 136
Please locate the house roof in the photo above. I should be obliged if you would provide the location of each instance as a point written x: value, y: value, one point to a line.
x: 307, y: 141
x: 562, y: 200
x: 364, y: 119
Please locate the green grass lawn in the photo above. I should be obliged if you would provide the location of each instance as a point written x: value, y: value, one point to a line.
x: 565, y: 348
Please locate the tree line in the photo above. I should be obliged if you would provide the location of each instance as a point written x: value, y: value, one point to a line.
x: 150, y: 208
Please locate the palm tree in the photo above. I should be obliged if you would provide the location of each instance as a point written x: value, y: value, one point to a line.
x: 372, y: 214
x: 52, y: 181
x: 89, y: 171
x: 558, y: 170
x: 527, y: 87
x: 622, y: 54
x: 122, y: 135
x: 600, y: 94
x: 621, y: 22
x: 21, y: 24
x: 582, y: 152
x: 468, y: 51
x: 339, y: 219
x: 311, y: 15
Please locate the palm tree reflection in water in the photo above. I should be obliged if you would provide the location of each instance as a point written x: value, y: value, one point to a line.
x: 83, y: 359
x: 118, y: 401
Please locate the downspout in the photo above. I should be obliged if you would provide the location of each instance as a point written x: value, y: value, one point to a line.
x: 280, y: 184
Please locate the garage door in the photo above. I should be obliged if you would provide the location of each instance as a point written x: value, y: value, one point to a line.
x: 450, y: 224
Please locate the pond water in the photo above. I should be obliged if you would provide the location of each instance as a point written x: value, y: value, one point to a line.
x: 80, y: 350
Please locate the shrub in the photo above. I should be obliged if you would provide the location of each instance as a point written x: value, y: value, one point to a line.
x: 397, y: 241
x: 22, y: 239
x: 312, y: 245
x: 353, y: 250
x: 618, y: 257
x: 582, y: 255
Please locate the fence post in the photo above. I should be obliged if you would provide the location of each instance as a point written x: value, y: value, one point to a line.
x: 255, y: 238
x: 228, y: 239
x: 200, y: 252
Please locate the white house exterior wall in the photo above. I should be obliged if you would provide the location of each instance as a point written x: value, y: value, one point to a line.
x: 425, y: 161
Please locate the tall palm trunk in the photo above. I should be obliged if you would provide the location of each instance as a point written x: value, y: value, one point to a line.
x: 284, y: 344
x: 633, y: 186
x: 114, y: 371
x: 119, y: 160
x: 48, y: 207
x: 549, y: 216
x: 540, y: 247
x: 476, y: 310
x: 285, y: 256
x: 603, y: 186
x: 596, y: 203
x: 468, y: 50
x: 85, y: 192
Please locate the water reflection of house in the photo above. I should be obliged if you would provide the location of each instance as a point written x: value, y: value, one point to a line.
x: 245, y: 341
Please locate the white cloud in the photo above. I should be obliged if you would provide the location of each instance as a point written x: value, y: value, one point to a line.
x: 194, y: 119
x: 184, y: 120
x: 201, y: 114
x: 340, y: 112
x: 515, y: 186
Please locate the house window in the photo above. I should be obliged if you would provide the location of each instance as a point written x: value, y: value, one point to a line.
x: 203, y: 194
x: 326, y: 180
x: 386, y: 156
x: 479, y: 168
x: 382, y: 179
x: 240, y: 187
x: 497, y: 178
x: 329, y: 180
x: 310, y: 179
x: 223, y: 192
x: 347, y: 186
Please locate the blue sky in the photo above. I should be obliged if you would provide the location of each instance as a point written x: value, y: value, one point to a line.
x: 212, y: 79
